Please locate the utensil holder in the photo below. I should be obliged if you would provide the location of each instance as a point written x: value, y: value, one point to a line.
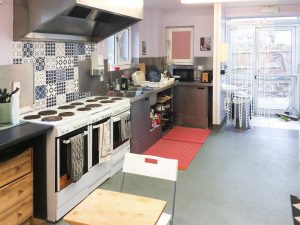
x: 6, y: 112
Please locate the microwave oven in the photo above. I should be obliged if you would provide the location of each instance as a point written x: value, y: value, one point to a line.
x: 183, y: 73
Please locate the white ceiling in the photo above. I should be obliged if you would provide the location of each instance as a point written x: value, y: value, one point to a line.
x: 175, y: 4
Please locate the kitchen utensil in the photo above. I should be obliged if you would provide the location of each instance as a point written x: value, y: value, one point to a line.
x: 12, y: 93
x: 5, y: 112
x: 142, y: 68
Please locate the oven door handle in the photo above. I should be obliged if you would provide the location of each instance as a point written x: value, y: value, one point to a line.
x: 68, y: 141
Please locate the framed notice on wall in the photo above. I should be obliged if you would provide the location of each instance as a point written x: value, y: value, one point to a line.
x: 205, y: 43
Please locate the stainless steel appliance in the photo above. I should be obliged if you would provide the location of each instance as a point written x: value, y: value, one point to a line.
x: 77, y: 20
x: 83, y: 116
x: 183, y: 73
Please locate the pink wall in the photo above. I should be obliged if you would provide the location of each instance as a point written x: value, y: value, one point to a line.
x: 201, y: 19
x: 150, y: 30
x: 285, y: 10
x: 6, y: 33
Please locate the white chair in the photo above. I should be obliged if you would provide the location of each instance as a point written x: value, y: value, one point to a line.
x: 156, y: 167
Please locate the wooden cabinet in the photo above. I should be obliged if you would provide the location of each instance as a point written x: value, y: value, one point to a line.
x: 16, y: 189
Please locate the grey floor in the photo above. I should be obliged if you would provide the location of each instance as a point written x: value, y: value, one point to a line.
x: 238, y: 177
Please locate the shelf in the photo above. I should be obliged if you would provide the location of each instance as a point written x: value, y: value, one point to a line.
x: 164, y: 99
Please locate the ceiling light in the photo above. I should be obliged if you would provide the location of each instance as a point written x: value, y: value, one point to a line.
x: 208, y: 1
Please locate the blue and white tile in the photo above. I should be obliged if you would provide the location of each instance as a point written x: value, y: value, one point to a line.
x: 39, y: 49
x: 72, y: 96
x: 50, y: 63
x: 60, y: 99
x: 28, y: 60
x: 64, y: 62
x: 17, y: 60
x: 40, y: 92
x: 50, y: 48
x: 50, y: 77
x: 70, y: 86
x: 28, y: 49
x: 40, y: 78
x: 69, y: 49
x: 17, y: 49
x: 61, y: 88
x: 61, y: 75
x: 76, y: 73
x: 51, y: 101
x: 51, y: 90
x: 40, y: 104
x: 70, y: 74
x: 40, y: 63
x: 60, y: 49
x: 79, y: 49
x: 76, y: 85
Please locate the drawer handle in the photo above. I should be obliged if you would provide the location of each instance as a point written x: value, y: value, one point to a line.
x: 201, y: 88
x: 20, y: 214
x: 21, y: 192
x: 18, y: 168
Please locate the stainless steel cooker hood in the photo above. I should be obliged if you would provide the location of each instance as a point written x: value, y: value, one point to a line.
x: 74, y: 20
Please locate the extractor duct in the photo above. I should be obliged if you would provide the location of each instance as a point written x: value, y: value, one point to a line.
x: 74, y: 20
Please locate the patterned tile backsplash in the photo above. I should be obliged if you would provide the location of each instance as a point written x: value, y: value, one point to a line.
x: 56, y: 69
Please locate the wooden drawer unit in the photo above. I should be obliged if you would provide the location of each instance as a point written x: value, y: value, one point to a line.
x: 15, y: 192
x: 16, y: 189
x: 16, y: 167
x: 18, y: 214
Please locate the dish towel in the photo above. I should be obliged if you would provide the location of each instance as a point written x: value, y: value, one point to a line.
x: 76, y: 157
x: 104, y: 134
x: 125, y: 126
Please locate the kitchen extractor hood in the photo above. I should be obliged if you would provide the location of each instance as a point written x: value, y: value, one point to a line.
x: 74, y: 20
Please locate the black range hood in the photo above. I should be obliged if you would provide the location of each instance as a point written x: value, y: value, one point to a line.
x: 74, y: 20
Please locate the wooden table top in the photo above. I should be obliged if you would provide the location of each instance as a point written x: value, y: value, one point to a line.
x: 103, y: 207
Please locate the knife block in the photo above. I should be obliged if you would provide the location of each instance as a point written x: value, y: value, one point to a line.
x: 6, y: 112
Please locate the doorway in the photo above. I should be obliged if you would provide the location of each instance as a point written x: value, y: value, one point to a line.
x: 263, y: 64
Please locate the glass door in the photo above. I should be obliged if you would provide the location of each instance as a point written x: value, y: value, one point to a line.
x: 275, y: 57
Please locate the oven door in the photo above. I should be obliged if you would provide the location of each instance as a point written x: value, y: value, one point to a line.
x: 98, y: 140
x: 118, y: 138
x: 64, y: 158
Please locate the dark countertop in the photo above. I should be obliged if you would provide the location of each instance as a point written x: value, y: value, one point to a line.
x: 195, y: 83
x: 20, y: 133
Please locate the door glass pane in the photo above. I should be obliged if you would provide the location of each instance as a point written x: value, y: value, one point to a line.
x: 274, y: 64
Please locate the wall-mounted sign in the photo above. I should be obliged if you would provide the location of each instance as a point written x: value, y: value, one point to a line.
x: 144, y: 48
x: 205, y: 43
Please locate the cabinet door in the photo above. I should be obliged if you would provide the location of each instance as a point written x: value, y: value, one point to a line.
x: 140, y: 122
x: 194, y: 105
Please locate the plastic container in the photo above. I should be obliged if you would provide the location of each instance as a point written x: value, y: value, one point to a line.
x: 6, y: 112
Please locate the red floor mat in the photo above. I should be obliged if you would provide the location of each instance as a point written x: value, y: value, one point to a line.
x: 184, y: 152
x: 187, y: 134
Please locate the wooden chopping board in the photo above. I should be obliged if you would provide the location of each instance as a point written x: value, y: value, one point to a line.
x: 142, y: 67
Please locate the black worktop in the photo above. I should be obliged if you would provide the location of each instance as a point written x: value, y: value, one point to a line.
x: 17, y: 134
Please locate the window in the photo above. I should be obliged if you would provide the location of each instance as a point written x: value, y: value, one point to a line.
x: 180, y: 45
x: 119, y: 49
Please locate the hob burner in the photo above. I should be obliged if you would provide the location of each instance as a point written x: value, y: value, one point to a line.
x: 84, y: 109
x: 116, y: 99
x: 76, y: 103
x: 63, y: 114
x: 93, y: 105
x: 31, y: 117
x: 52, y: 118
x: 66, y: 107
x: 47, y: 112
x: 107, y: 101
x: 102, y: 98
x: 91, y: 100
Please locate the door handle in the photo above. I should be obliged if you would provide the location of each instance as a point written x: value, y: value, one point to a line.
x: 146, y: 99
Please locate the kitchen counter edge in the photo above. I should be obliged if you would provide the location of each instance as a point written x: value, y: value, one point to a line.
x: 20, y: 133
